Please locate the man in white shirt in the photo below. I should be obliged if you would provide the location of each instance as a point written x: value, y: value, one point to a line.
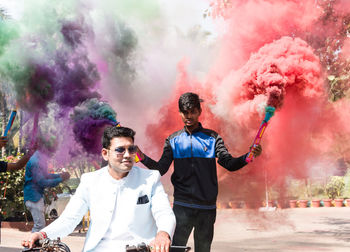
x: 127, y: 204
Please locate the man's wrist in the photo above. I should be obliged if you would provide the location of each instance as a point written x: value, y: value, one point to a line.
x: 43, y: 235
x: 164, y: 233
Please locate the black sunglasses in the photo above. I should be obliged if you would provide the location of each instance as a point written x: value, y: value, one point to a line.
x: 121, y: 150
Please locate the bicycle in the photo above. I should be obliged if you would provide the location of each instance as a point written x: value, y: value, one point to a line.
x: 48, y: 245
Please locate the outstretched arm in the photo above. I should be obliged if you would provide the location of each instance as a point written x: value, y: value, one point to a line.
x: 20, y: 163
x: 164, y: 162
x: 226, y: 160
x: 23, y: 161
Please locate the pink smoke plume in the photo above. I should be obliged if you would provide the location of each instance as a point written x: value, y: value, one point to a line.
x: 285, y: 64
x: 288, y: 69
x: 263, y: 62
x: 250, y: 25
x: 346, y: 48
x: 285, y: 70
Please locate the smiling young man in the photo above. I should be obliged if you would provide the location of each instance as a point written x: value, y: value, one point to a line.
x: 127, y: 204
x: 194, y: 150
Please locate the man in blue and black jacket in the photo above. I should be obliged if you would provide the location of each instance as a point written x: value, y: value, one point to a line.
x: 194, y: 150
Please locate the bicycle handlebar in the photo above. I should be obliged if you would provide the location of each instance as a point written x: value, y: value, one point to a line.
x: 48, y: 245
x: 142, y: 247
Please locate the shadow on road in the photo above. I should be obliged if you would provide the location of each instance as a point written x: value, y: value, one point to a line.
x: 341, y: 232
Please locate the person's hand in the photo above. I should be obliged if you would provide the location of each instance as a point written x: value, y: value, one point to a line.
x: 29, y: 243
x: 161, y: 243
x: 64, y: 176
x: 140, y: 153
x: 256, y: 150
x: 3, y: 141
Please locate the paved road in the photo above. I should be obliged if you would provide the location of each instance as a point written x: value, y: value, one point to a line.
x: 309, y: 229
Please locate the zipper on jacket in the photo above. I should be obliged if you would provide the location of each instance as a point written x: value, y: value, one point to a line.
x: 192, y: 166
x: 191, y: 146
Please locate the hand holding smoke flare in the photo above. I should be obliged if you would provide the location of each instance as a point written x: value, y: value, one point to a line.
x: 279, y: 71
x: 272, y: 78
x: 269, y: 112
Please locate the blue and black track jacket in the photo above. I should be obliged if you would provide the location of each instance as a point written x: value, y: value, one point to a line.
x: 194, y: 155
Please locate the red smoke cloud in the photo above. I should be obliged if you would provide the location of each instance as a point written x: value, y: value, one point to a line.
x: 257, y: 59
x: 346, y: 49
x: 169, y: 120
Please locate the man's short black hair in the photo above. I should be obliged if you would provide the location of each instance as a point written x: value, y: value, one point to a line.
x: 112, y: 132
x: 189, y: 101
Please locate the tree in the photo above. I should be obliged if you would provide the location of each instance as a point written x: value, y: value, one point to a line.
x: 327, y: 38
x: 335, y: 187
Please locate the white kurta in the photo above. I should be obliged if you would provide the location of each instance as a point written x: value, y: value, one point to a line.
x: 116, y: 218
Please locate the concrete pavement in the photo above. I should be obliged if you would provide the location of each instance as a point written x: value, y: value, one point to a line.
x: 297, y: 229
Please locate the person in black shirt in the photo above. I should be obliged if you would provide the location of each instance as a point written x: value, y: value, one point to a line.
x: 194, y: 150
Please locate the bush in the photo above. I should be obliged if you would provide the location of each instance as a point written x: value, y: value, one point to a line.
x: 335, y: 187
x: 317, y: 190
x: 346, y: 191
x: 11, y: 192
x: 298, y: 189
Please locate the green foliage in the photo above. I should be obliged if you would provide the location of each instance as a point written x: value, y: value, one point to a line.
x: 327, y: 37
x: 297, y: 189
x: 306, y: 189
x: 317, y: 190
x: 346, y: 191
x: 329, y: 47
x: 335, y: 187
x: 11, y: 192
